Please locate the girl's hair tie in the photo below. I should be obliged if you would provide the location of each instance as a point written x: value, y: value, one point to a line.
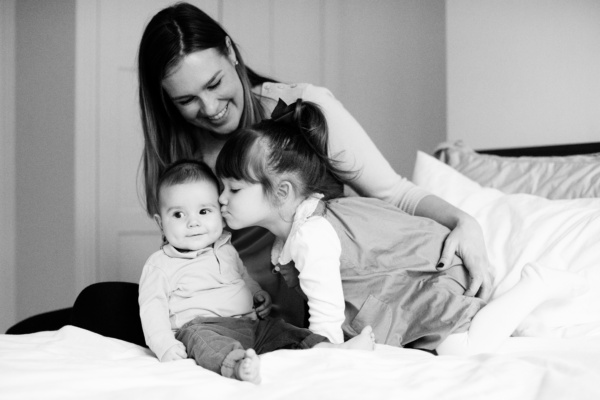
x: 289, y: 114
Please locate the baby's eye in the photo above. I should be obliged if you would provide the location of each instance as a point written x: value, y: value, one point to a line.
x: 178, y: 214
x: 204, y: 211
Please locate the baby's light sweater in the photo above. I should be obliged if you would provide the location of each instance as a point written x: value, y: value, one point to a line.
x: 176, y: 287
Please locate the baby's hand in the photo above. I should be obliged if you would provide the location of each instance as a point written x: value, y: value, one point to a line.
x: 176, y: 352
x: 262, y: 302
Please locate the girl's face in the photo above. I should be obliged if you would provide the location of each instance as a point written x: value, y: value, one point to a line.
x: 244, y: 204
x: 190, y: 216
x: 207, y: 90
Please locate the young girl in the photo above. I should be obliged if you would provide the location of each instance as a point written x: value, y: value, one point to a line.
x: 361, y: 261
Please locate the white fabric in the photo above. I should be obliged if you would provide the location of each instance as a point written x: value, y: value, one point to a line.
x: 315, y: 248
x: 521, y: 228
x: 72, y: 363
x: 352, y: 146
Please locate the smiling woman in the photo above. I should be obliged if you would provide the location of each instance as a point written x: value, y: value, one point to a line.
x: 195, y: 90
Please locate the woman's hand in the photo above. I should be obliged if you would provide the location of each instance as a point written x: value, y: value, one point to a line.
x: 263, y: 303
x: 466, y: 240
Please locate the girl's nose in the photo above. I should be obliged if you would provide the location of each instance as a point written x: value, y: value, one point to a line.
x: 223, y: 199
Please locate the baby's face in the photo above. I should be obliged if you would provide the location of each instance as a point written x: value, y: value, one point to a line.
x: 190, y: 215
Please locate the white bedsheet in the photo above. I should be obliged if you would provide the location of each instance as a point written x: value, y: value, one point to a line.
x: 73, y: 363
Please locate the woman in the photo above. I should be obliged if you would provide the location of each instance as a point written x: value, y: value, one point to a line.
x: 195, y: 90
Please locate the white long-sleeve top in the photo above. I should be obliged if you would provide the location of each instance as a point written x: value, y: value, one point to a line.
x: 315, y: 248
x: 176, y: 287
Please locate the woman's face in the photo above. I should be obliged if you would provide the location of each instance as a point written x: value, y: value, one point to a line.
x: 207, y: 90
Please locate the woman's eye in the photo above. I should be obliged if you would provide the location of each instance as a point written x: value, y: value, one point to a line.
x: 215, y: 85
x: 185, y: 102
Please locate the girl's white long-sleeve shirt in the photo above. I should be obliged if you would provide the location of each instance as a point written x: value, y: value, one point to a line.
x: 315, y: 248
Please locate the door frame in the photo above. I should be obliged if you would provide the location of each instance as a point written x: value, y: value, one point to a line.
x: 86, y: 142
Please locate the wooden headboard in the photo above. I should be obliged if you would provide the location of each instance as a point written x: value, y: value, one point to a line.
x: 546, y: 151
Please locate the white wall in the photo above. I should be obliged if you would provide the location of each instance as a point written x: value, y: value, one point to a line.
x: 7, y: 164
x: 388, y: 56
x: 393, y: 77
x: 44, y: 153
x: 523, y: 72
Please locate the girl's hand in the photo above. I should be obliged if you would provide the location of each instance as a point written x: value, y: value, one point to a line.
x: 466, y: 240
x: 176, y: 352
x: 263, y: 304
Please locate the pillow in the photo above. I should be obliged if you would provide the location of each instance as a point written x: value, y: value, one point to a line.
x: 521, y: 228
x: 567, y: 177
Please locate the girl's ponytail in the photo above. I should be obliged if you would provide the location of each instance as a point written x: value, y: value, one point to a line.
x: 307, y: 119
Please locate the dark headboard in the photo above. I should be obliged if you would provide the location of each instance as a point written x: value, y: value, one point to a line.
x: 546, y: 151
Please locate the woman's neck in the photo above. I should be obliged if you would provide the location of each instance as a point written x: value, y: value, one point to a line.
x: 209, y: 147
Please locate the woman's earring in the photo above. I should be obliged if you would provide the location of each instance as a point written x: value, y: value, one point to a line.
x: 235, y: 63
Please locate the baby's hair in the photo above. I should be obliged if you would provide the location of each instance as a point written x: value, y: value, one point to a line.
x: 186, y: 171
x: 292, y: 147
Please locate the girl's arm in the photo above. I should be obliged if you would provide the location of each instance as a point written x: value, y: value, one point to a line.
x: 316, y: 250
x: 350, y: 144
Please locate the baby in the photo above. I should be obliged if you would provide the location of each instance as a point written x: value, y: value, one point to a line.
x: 196, y: 297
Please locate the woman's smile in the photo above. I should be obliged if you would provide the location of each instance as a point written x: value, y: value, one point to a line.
x: 219, y: 116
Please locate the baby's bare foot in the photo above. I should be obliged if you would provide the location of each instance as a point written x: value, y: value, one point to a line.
x: 554, y: 282
x: 365, y: 340
x: 248, y: 368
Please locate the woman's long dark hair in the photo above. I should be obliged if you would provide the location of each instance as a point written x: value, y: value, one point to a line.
x: 172, y: 34
x: 294, y: 148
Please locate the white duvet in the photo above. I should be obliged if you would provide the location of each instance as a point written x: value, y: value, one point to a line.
x: 562, y: 361
x: 73, y: 363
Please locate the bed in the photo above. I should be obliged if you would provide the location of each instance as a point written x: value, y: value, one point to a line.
x: 543, y: 207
